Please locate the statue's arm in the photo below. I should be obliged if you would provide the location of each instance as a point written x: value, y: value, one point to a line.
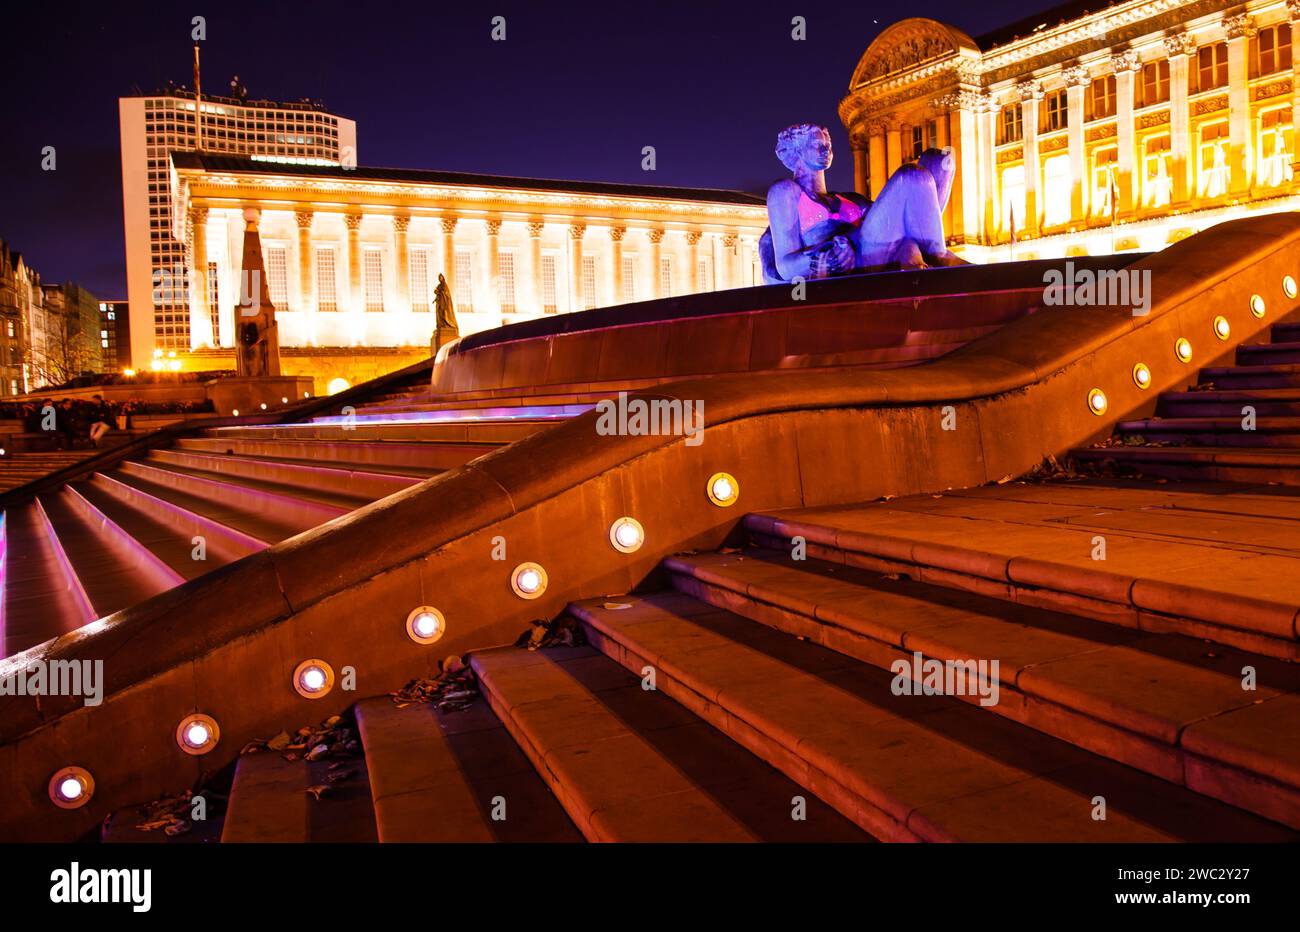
x: 792, y: 257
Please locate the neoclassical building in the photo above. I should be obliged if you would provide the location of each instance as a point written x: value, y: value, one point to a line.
x: 1076, y: 133
x: 353, y: 255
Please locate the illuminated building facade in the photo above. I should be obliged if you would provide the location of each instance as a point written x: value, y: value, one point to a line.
x: 1090, y: 128
x: 353, y: 255
x: 154, y: 126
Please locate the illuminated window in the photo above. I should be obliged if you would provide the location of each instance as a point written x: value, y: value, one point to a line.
x: 464, y: 280
x: 372, y: 274
x: 548, y: 283
x: 420, y: 280
x: 589, y: 281
x: 1213, y: 173
x: 1056, y: 191
x: 924, y: 136
x: 1101, y: 98
x: 1055, y: 112
x: 1154, y: 87
x: 1273, y: 49
x: 1212, y: 66
x: 277, y: 275
x: 628, y: 286
x: 1011, y: 124
x: 506, y: 281
x: 326, y: 279
x: 1275, y: 142
x: 1013, y: 199
x: 665, y: 276
x: 1157, y: 173
x: 1104, y: 184
x: 10, y: 329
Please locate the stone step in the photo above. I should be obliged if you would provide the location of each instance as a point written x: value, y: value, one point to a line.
x: 1285, y: 333
x: 425, y: 458
x: 42, y: 597
x: 1166, y: 568
x: 112, y: 569
x: 437, y: 776
x: 361, y: 485
x: 497, y: 431
x: 629, y: 764
x: 1265, y: 431
x: 1254, y: 376
x: 903, y: 767
x: 295, y: 507
x: 1163, y: 704
x: 270, y: 802
x: 1278, y: 465
x: 1269, y: 354
x: 1267, y: 402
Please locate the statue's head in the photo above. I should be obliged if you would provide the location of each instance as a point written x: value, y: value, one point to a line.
x: 805, y: 144
x: 941, y: 164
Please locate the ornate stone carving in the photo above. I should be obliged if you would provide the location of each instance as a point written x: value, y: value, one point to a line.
x: 730, y: 240
x: 1272, y: 89
x: 656, y: 236
x: 304, y: 218
x: 1124, y: 60
x: 1101, y: 132
x: 1239, y: 26
x: 1180, y: 43
x: 535, y: 228
x: 1030, y: 90
x: 353, y: 222
x: 1148, y: 120
x: 1011, y: 155
x: 1053, y: 143
x: 693, y: 237
x: 898, y: 49
x: 577, y: 231
x: 448, y: 224
x: 401, y: 224
x: 1077, y: 75
x: 1212, y: 105
x: 617, y: 233
x: 1293, y: 9
x: 493, y: 227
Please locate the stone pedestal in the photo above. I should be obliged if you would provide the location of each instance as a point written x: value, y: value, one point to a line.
x: 247, y: 394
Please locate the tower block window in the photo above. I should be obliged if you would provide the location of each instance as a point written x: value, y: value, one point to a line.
x: 277, y: 276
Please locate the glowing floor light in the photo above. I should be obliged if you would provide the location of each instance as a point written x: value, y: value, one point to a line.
x: 71, y: 787
x: 1183, y: 349
x: 1257, y: 303
x: 723, y: 489
x: 627, y: 535
x: 1288, y: 286
x: 425, y: 624
x: 1141, y: 376
x: 1097, y: 402
x: 528, y: 580
x: 337, y: 385
x: 197, y: 734
x: 313, y: 679
x: 1221, y: 328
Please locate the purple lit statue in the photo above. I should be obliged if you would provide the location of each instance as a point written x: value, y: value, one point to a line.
x: 814, y: 234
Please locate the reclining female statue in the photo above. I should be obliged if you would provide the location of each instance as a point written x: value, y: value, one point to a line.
x: 814, y: 234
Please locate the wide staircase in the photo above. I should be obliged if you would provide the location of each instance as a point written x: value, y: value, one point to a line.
x: 842, y: 616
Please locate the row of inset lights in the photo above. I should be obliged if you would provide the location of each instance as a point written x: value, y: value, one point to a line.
x: 197, y: 734
x: 1097, y: 402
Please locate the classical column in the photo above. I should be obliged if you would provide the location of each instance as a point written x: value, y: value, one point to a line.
x: 494, y: 265
x: 200, y: 313
x: 1293, y: 11
x: 306, y: 302
x: 400, y: 225
x: 1179, y: 46
x: 353, y: 222
x: 1125, y: 64
x: 693, y: 257
x: 616, y: 235
x: 940, y: 107
x: 448, y: 224
x: 988, y: 115
x: 656, y: 263
x: 731, y: 253
x: 1239, y: 30
x: 962, y: 119
x: 893, y: 148
x: 861, y: 167
x: 576, y: 233
x: 879, y: 166
x: 1077, y: 80
x: 1031, y: 94
x: 535, y: 291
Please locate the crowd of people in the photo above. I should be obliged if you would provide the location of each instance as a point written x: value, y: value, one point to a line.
x: 79, y: 422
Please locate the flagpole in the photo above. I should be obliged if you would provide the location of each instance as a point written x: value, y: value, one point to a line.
x: 198, y: 100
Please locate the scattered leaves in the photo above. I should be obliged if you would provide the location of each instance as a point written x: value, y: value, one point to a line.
x: 452, y: 690
x: 559, y: 632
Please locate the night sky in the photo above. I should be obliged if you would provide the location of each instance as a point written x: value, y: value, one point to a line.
x: 575, y: 91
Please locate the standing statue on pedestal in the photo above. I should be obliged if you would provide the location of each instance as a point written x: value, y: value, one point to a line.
x: 815, y: 234
x: 445, y: 328
x: 257, y: 351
